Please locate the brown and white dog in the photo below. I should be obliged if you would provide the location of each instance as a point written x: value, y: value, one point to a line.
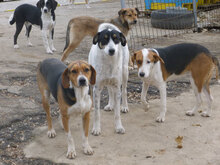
x: 82, y: 26
x: 155, y: 66
x: 69, y: 85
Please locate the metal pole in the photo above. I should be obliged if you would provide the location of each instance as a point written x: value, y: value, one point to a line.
x: 122, y: 4
x: 195, y: 15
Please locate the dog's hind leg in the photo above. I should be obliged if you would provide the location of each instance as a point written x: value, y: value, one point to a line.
x: 109, y: 107
x: 51, y: 33
x: 28, y: 30
x: 19, y: 27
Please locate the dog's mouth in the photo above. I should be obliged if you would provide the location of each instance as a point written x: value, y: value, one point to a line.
x: 133, y: 22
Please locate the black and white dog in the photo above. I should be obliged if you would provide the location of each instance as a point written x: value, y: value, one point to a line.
x: 43, y: 15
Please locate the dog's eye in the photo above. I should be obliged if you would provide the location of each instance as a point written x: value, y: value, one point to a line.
x: 129, y: 15
x: 86, y: 70
x: 139, y: 62
x: 74, y: 71
x: 148, y: 61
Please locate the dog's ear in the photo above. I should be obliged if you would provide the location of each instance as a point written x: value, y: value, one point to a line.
x: 123, y: 39
x: 39, y: 4
x: 96, y: 38
x: 93, y: 76
x: 157, y: 58
x: 138, y: 12
x: 65, y: 78
x: 54, y: 4
x: 121, y: 12
x: 133, y: 58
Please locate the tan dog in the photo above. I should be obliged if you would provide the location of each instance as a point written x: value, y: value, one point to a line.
x: 82, y: 26
x: 70, y: 87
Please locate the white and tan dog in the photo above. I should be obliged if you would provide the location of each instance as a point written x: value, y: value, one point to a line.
x: 109, y: 55
x: 155, y: 66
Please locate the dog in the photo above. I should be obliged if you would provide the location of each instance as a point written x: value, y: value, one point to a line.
x: 43, y: 16
x: 111, y: 64
x: 82, y: 26
x: 69, y: 85
x: 155, y: 66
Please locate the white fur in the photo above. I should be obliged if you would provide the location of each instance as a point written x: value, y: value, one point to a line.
x: 153, y: 75
x: 111, y: 71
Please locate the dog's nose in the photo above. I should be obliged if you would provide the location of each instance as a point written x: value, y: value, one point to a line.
x: 135, y: 21
x: 45, y: 10
x: 111, y: 52
x: 82, y: 82
x: 142, y: 74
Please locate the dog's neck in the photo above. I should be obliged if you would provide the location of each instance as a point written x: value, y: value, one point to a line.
x: 48, y: 15
x: 118, y: 22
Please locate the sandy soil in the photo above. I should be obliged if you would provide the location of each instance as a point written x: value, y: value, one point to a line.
x: 22, y: 120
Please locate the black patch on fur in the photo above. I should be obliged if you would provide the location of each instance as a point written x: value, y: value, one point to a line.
x: 52, y: 70
x: 103, y: 38
x: 177, y: 57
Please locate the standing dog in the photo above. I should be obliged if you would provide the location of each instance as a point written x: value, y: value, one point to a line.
x: 82, y: 26
x: 70, y: 87
x: 155, y: 66
x: 43, y: 15
x: 111, y: 64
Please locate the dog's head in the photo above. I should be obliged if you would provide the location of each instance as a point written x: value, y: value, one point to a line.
x: 146, y: 59
x: 79, y: 74
x: 47, y: 5
x: 129, y: 15
x: 109, y: 40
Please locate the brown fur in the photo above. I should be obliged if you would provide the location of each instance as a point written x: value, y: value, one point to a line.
x: 82, y: 26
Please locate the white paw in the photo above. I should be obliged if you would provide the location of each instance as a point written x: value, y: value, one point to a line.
x: 71, y: 154
x: 51, y: 133
x: 29, y: 44
x: 87, y: 6
x: 96, y: 131
x: 190, y: 113
x: 124, y: 109
x: 49, y: 51
x: 205, y: 114
x: 16, y: 46
x: 146, y: 105
x: 108, y: 108
x: 88, y: 150
x: 120, y: 130
x: 161, y: 118
x: 54, y: 49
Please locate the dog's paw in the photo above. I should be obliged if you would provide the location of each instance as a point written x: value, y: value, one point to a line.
x: 190, y: 113
x: 120, y: 130
x: 54, y: 49
x: 16, y: 46
x: 108, y: 108
x: 96, y: 131
x: 29, y: 44
x: 49, y: 51
x: 88, y: 150
x: 124, y: 109
x: 145, y: 105
x: 51, y: 133
x: 71, y: 154
x: 160, y: 118
x: 205, y: 114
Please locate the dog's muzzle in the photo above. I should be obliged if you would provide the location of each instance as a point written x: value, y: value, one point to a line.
x: 141, y: 74
x: 111, y: 52
x: 45, y: 10
x: 135, y: 21
x: 82, y: 82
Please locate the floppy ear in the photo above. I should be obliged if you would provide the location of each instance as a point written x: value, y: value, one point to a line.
x: 54, y: 4
x: 138, y: 12
x: 157, y: 58
x: 123, y: 39
x: 133, y: 58
x: 96, y: 38
x: 93, y: 76
x: 65, y: 78
x: 39, y: 4
x: 121, y: 12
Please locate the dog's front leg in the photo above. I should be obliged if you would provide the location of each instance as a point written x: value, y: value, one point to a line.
x: 109, y: 107
x: 71, y: 152
x: 51, y: 33
x: 117, y: 97
x: 145, y: 87
x: 87, y: 149
x: 96, y: 130
x: 45, y: 40
x: 163, y: 93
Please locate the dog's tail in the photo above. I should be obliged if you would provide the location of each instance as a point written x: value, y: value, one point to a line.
x: 11, y: 20
x: 67, y: 36
x: 217, y: 66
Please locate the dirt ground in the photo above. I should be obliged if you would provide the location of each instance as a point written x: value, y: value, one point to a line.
x: 22, y: 119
